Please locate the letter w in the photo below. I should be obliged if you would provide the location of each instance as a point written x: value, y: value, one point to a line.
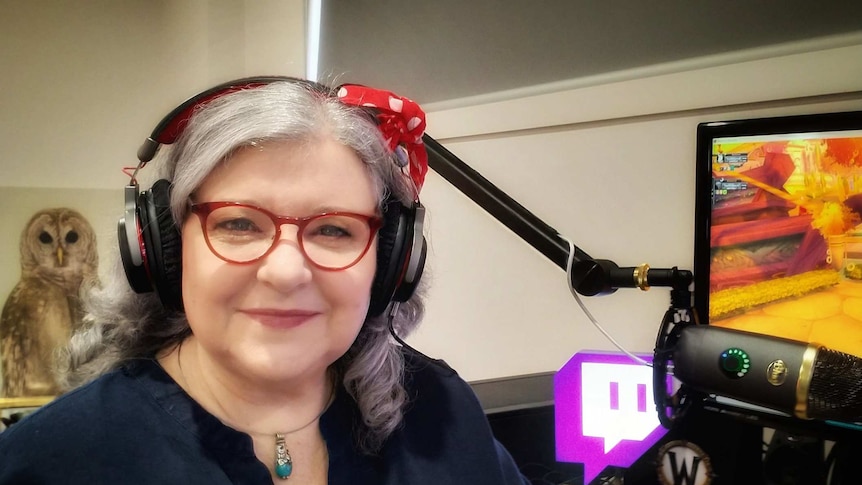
x: 680, y: 473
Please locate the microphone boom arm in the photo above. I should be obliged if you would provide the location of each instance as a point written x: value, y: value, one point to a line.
x: 589, y: 276
x: 505, y: 209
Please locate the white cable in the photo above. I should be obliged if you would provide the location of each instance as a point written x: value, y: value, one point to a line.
x: 589, y: 315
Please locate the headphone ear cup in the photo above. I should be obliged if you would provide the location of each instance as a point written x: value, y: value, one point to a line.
x: 162, y: 244
x: 130, y: 249
x: 391, y: 245
x: 395, y: 243
x: 406, y: 288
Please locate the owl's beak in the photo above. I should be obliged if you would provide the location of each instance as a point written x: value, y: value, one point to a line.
x: 60, y: 255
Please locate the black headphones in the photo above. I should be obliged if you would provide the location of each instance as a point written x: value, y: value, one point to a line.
x: 150, y: 245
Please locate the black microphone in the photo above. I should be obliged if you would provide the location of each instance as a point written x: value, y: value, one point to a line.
x: 592, y: 277
x: 807, y: 380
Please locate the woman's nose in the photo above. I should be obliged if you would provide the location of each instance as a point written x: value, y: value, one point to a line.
x: 285, y: 266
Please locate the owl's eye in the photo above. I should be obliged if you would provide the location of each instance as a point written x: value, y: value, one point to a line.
x: 71, y: 237
x: 45, y: 238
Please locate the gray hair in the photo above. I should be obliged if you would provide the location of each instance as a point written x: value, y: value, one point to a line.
x: 123, y: 325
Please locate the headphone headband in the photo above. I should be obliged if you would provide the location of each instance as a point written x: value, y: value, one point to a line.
x: 172, y: 125
x: 150, y: 245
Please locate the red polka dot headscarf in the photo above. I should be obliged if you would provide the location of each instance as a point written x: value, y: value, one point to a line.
x: 402, y: 123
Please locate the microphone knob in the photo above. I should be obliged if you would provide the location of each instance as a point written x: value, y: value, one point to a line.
x: 734, y: 363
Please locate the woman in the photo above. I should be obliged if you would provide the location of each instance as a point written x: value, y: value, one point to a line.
x: 264, y: 354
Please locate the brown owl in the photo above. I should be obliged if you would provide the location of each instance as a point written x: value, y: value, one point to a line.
x: 58, y: 255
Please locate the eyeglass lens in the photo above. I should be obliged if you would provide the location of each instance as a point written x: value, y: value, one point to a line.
x: 242, y: 234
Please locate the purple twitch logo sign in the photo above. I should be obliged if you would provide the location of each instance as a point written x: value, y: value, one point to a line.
x: 604, y: 411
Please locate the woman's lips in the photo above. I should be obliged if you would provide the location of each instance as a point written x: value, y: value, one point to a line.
x: 280, y: 318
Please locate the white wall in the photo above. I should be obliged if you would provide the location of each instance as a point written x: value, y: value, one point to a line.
x: 606, y: 161
x: 85, y: 82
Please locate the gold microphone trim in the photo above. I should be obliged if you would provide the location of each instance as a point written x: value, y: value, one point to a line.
x: 641, y: 276
x: 803, y: 385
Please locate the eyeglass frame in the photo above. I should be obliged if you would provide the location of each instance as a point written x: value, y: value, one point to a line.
x: 203, y: 210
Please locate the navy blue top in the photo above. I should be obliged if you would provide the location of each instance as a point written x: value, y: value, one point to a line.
x: 135, y: 425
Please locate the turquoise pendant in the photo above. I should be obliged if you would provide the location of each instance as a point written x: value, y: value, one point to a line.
x: 283, y: 463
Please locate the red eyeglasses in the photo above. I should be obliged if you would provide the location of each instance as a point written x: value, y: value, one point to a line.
x: 241, y: 233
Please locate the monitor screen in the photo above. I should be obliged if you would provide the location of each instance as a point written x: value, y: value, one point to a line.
x: 778, y: 245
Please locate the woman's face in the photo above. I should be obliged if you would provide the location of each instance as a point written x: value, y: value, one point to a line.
x: 279, y: 318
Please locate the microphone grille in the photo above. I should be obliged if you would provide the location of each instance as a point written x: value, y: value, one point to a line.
x: 835, y: 392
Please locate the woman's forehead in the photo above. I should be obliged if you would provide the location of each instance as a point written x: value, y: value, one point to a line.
x: 321, y: 173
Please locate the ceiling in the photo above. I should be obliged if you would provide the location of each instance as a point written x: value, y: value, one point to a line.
x: 441, y: 50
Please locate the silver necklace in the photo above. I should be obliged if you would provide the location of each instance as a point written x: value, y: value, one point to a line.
x: 283, y: 461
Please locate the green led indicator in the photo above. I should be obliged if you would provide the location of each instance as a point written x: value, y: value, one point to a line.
x: 734, y: 362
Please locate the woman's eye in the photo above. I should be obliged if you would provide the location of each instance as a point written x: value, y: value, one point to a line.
x: 330, y: 230
x: 237, y: 225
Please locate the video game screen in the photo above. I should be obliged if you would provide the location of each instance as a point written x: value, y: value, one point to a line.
x: 781, y: 238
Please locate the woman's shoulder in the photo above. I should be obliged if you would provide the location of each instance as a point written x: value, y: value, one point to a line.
x: 444, y: 425
x: 134, y: 425
x: 422, y: 371
x: 436, y: 389
x: 75, y: 414
x: 82, y: 435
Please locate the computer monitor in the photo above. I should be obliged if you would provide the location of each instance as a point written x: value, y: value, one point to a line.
x: 778, y: 228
